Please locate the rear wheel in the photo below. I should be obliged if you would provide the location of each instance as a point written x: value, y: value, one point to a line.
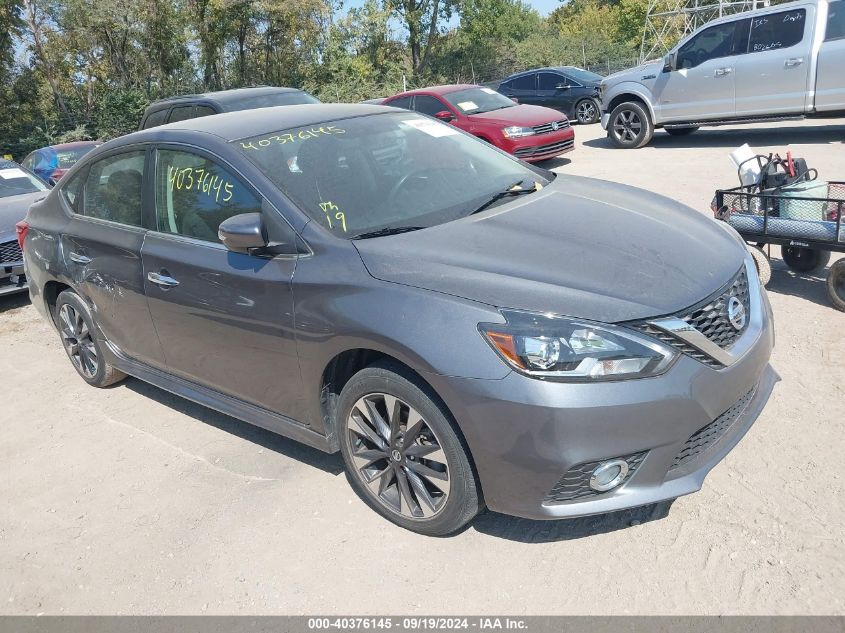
x: 402, y: 454
x: 680, y: 131
x: 630, y: 126
x: 836, y: 284
x: 804, y: 260
x: 587, y: 111
x: 77, y: 331
x: 761, y: 261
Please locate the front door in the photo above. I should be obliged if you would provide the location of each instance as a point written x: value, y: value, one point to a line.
x: 557, y: 92
x: 703, y: 83
x: 101, y: 246
x: 773, y: 78
x: 225, y: 319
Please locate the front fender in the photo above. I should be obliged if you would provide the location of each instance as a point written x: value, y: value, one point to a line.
x: 632, y: 88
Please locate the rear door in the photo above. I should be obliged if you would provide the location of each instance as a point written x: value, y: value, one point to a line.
x: 773, y: 77
x: 524, y: 88
x: 101, y: 247
x: 225, y: 319
x: 830, y: 85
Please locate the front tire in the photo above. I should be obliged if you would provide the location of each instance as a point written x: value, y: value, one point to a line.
x: 630, y: 126
x: 78, y: 335
x: 804, y: 260
x: 587, y: 111
x: 761, y: 261
x: 402, y: 453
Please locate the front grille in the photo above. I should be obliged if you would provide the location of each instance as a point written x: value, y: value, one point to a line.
x: 550, y: 127
x: 705, y: 438
x: 560, y: 146
x: 710, y: 317
x: 575, y: 482
x: 10, y: 253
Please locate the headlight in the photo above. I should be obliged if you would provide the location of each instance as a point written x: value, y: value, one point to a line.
x: 575, y: 350
x: 517, y: 132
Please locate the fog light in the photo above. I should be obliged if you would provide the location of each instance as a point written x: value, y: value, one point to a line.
x: 608, y: 475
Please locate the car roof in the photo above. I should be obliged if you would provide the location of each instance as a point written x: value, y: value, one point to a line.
x: 231, y: 126
x: 562, y: 69
x: 71, y: 145
x: 227, y: 96
x: 438, y: 90
x: 7, y: 164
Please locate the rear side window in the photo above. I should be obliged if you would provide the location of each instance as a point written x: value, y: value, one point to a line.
x: 401, y: 102
x: 428, y: 105
x: 113, y: 189
x: 835, y: 21
x: 204, y: 111
x: 526, y: 82
x: 154, y: 119
x: 194, y: 195
x: 777, y: 30
x: 181, y: 113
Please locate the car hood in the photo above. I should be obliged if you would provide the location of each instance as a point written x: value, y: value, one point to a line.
x: 520, y: 114
x: 13, y: 209
x: 580, y: 247
x: 646, y: 73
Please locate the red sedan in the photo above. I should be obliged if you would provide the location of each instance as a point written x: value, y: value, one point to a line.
x: 532, y: 133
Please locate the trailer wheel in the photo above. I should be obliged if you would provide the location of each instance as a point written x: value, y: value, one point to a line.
x: 804, y: 260
x: 836, y: 284
x: 761, y: 261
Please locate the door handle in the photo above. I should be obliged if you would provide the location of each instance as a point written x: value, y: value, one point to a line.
x: 79, y: 259
x: 793, y: 61
x: 720, y: 72
x: 162, y: 280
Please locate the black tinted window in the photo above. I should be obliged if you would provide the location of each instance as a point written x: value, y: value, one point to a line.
x: 401, y: 102
x: 155, y: 119
x: 294, y: 97
x: 722, y: 40
x: 526, y: 82
x: 180, y: 113
x: 428, y: 105
x: 194, y: 195
x: 777, y: 30
x: 204, y: 111
x: 113, y: 188
x: 549, y: 81
x: 505, y: 86
x: 835, y: 21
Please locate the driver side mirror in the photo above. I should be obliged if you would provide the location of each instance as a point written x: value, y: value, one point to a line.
x: 444, y: 115
x: 669, y: 63
x: 243, y: 233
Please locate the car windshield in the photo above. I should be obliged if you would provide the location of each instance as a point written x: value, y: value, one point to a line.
x: 478, y: 100
x: 69, y: 157
x: 385, y: 171
x: 583, y: 76
x: 14, y: 181
x: 270, y: 100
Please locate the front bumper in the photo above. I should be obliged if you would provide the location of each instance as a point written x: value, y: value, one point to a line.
x: 12, y: 278
x: 541, y: 146
x: 605, y: 119
x: 525, y: 434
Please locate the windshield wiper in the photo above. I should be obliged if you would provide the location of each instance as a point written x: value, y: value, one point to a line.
x: 388, y: 230
x: 510, y: 191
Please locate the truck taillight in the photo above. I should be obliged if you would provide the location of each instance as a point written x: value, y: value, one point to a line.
x: 22, y: 228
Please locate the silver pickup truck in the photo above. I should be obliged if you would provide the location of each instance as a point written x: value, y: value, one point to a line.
x: 779, y: 63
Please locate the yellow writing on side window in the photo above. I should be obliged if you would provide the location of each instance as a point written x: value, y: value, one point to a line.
x: 202, y: 180
x: 332, y: 211
x: 292, y: 137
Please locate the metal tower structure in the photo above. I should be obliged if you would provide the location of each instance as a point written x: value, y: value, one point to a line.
x: 667, y: 21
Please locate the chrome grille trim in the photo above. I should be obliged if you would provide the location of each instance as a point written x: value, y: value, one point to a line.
x: 548, y: 127
x: 10, y: 253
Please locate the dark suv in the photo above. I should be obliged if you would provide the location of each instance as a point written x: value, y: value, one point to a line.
x: 187, y: 107
x: 573, y: 91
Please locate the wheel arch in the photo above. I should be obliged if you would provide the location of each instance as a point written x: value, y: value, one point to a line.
x: 632, y: 95
x: 51, y: 292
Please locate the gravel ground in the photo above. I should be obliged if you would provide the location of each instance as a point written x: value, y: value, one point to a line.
x: 130, y: 500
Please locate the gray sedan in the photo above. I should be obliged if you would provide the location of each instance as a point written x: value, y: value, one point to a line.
x: 464, y: 328
x: 19, y: 188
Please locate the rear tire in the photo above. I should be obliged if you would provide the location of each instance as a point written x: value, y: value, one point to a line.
x: 630, y: 126
x: 402, y: 453
x: 804, y: 260
x: 680, y: 131
x: 761, y: 261
x: 836, y: 284
x: 79, y: 338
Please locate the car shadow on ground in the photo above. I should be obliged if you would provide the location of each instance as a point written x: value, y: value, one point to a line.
x: 811, y: 287
x: 553, y: 163
x: 289, y: 448
x: 13, y: 301
x: 734, y: 137
x: 529, y: 531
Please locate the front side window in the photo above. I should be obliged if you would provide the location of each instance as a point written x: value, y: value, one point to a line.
x: 835, y: 21
x: 478, y: 100
x: 722, y: 40
x: 204, y: 111
x: 14, y: 181
x: 384, y: 171
x: 777, y: 30
x: 428, y: 105
x: 401, y: 102
x: 194, y: 195
x: 551, y: 81
x: 113, y: 188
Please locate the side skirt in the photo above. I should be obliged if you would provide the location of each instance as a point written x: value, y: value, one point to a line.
x: 223, y: 403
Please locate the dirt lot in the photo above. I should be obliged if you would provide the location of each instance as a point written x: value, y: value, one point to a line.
x: 130, y: 500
